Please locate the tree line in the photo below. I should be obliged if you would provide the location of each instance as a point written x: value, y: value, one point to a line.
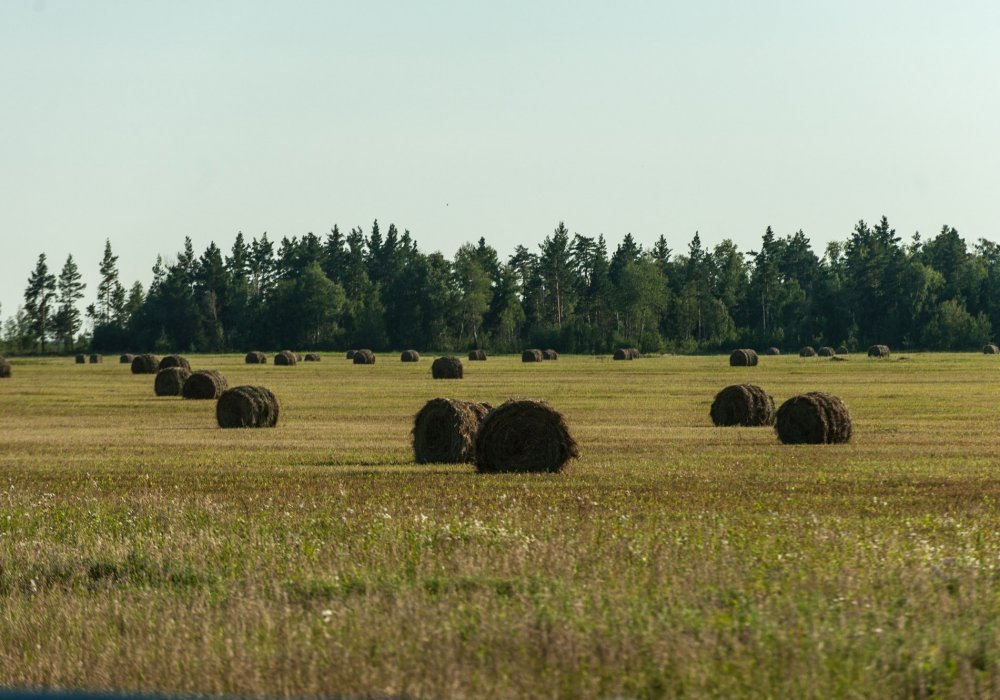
x: 378, y: 290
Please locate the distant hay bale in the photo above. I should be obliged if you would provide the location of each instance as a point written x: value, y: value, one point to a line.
x: 635, y: 353
x: 826, y: 351
x: 298, y: 356
x: 126, y: 358
x: 446, y: 368
x: 991, y: 349
x: 842, y: 350
x: 81, y: 359
x: 286, y: 358
x: 351, y: 354
x: 815, y: 418
x: 174, y: 361
x: 364, y: 357
x: 255, y: 358
x: 145, y: 364
x: 550, y: 354
x: 532, y: 355
x: 742, y: 404
x: 96, y: 359
x: 879, y: 351
x: 170, y: 381
x: 4, y: 368
x: 743, y: 357
x: 444, y: 430
x: 312, y: 357
x: 247, y: 407
x: 624, y: 354
x: 524, y: 436
x: 409, y: 356
x: 205, y: 384
x: 477, y: 356
x: 807, y: 351
x: 772, y: 351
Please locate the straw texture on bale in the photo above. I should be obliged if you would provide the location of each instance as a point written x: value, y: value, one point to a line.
x: 991, y: 349
x: 743, y: 357
x: 409, y: 356
x: 170, y: 381
x: 351, y: 354
x: 524, y: 435
x: 298, y: 356
x: 878, y: 351
x: 4, y: 368
x: 81, y: 359
x: 842, y: 350
x: 477, y: 355
x: 446, y: 368
x: 247, y: 407
x: 623, y: 354
x: 742, y: 404
x: 96, y: 359
x: 807, y: 351
x: 635, y: 353
x: 444, y: 430
x: 772, y: 351
x: 532, y: 355
x: 174, y: 361
x: 815, y: 418
x: 206, y: 384
x: 312, y: 357
x: 126, y: 358
x: 550, y: 354
x: 145, y: 364
x: 286, y: 358
x: 255, y: 358
x: 826, y: 351
x: 364, y: 357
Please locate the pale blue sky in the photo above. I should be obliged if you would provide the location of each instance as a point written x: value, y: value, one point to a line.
x: 144, y: 122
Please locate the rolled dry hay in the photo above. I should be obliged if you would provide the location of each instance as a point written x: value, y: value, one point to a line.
x: 878, y: 351
x: 96, y: 359
x: 364, y: 357
x: 255, y: 358
x: 206, y: 384
x: 170, y: 381
x: 81, y: 359
x: 4, y: 368
x: 312, y: 357
x: 826, y: 351
x: 524, y: 436
x: 842, y: 350
x: 298, y: 356
x: 247, y: 407
x: 145, y: 364
x: 446, y: 368
x: 744, y: 357
x: 445, y: 430
x: 175, y: 361
x: 351, y: 354
x: 742, y: 404
x: 807, y: 351
x: 286, y: 358
x: 623, y: 354
x: 533, y: 355
x: 772, y: 351
x: 635, y: 353
x: 814, y: 418
x: 477, y: 356
x: 550, y: 354
x: 126, y: 358
x: 991, y: 349
x: 409, y: 356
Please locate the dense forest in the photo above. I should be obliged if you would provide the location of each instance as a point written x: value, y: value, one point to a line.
x: 571, y: 293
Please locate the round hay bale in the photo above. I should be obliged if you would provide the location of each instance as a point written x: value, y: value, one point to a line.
x: 623, y: 354
x: 170, y: 381
x: 174, y: 361
x: 772, y: 351
x: 206, y: 384
x: 991, y: 349
x: 815, y: 418
x: 742, y: 404
x: 807, y: 351
x: 4, y: 368
x: 550, y: 354
x: 635, y: 353
x: 126, y: 358
x: 255, y: 358
x: 477, y: 356
x: 533, y: 355
x: 524, y: 436
x: 409, y: 356
x: 298, y: 356
x: 444, y: 430
x: 878, y: 351
x: 247, y: 407
x: 826, y: 351
x: 312, y: 357
x: 351, y: 354
x: 842, y: 350
x: 286, y: 358
x: 96, y: 359
x: 81, y: 359
x: 743, y: 357
x: 446, y: 368
x: 145, y: 364
x: 364, y: 357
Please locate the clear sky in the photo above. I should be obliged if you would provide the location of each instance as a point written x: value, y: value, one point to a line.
x: 147, y: 121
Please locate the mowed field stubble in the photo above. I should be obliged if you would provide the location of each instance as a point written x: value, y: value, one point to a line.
x: 143, y: 548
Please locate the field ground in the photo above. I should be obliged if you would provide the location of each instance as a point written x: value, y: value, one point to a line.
x: 142, y: 548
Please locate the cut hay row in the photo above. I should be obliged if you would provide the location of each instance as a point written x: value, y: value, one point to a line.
x: 255, y: 357
x: 444, y: 430
x: 532, y: 355
x: 879, y: 351
x: 742, y: 404
x: 409, y: 356
x: 477, y: 356
x: 446, y: 368
x: 170, y: 381
x: 247, y: 407
x: 363, y: 357
x: 814, y: 418
x: 205, y: 384
x: 145, y: 364
x: 743, y: 357
x: 524, y: 436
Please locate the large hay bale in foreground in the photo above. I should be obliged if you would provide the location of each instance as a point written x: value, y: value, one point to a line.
x: 477, y: 355
x: 623, y: 354
x: 409, y: 356
x: 826, y: 351
x: 81, y: 359
x: 532, y: 355
x: 991, y: 349
x: 247, y: 407
x: 96, y: 359
x: 175, y: 361
x: 744, y: 357
x: 807, y: 351
x: 444, y: 430
x: 351, y: 354
x: 255, y: 357
x: 446, y: 368
x: 126, y: 358
x: 286, y: 358
x: 145, y: 364
x: 524, y: 435
x: 4, y: 368
x: 312, y: 357
x: 550, y: 354
x: 206, y: 384
x: 742, y: 404
x: 815, y: 418
x: 364, y: 357
x: 879, y: 351
x: 170, y: 381
x: 842, y: 350
x: 772, y: 351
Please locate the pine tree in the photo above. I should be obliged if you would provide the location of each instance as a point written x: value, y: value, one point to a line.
x: 70, y: 288
x: 38, y: 299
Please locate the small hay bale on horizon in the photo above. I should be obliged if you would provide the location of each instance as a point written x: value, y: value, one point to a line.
x: 991, y: 349
x: 312, y: 357
x: 364, y: 357
x: 126, y: 358
x: 623, y: 354
x: 204, y: 384
x: 351, y: 354
x: 96, y: 359
x: 286, y: 358
x: 550, y: 354
x: 879, y: 351
x: 409, y: 356
x: 247, y: 407
x: 477, y: 355
x: 170, y: 381
x: 532, y: 355
x: 743, y: 357
x: 742, y: 404
x: 447, y: 368
x: 145, y: 364
x: 255, y: 357
x: 842, y: 350
x: 175, y: 361
x: 826, y: 351
x: 444, y: 431
x: 5, y: 369
x: 815, y: 418
x: 524, y: 435
x: 807, y: 351
x: 81, y: 359
x: 772, y: 351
